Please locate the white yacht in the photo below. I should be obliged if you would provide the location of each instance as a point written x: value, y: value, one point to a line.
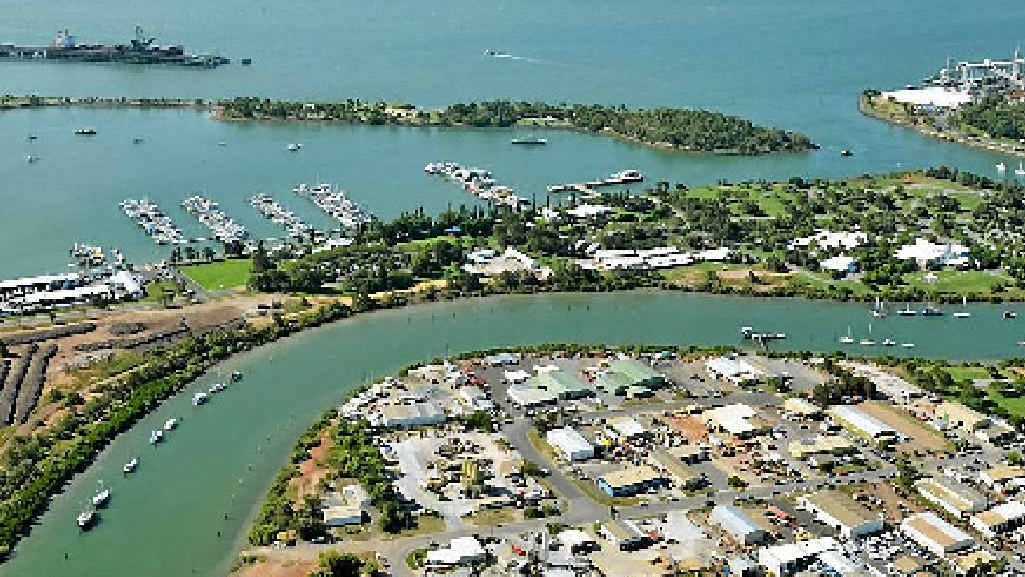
x: 170, y: 424
x: 847, y: 340
x: 156, y: 436
x: 295, y: 147
x: 86, y: 519
x: 908, y: 345
x: 101, y: 499
x: 217, y: 387
x: 130, y: 466
x: 200, y: 398
x: 1001, y: 167
x: 889, y: 342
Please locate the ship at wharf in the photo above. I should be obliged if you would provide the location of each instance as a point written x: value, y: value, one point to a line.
x: 140, y: 50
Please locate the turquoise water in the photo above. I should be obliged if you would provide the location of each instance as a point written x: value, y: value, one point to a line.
x: 164, y: 520
x: 796, y: 64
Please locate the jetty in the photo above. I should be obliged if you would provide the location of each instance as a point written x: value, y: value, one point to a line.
x: 214, y: 219
x: 278, y: 214
x: 335, y: 203
x: 153, y: 221
x: 478, y: 182
x: 615, y: 179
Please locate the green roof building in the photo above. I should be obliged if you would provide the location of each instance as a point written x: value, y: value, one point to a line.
x: 629, y: 374
x: 563, y: 384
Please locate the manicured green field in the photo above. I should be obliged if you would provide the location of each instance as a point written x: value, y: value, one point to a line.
x: 958, y: 282
x: 216, y: 276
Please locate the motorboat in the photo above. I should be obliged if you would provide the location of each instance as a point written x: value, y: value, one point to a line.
x: 846, y: 153
x: 531, y: 141
x: 1001, y: 167
x: 86, y: 519
x: 31, y: 159
x: 1010, y: 315
x: 217, y: 388
x: 931, y: 311
x: 908, y: 345
x: 200, y: 398
x: 295, y: 147
x: 236, y: 376
x: 130, y: 466
x: 170, y: 424
x: 889, y: 342
x: 156, y: 436
x: 101, y: 499
x: 85, y: 131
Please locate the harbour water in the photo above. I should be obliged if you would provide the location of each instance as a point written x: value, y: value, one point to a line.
x: 798, y: 64
x: 164, y: 520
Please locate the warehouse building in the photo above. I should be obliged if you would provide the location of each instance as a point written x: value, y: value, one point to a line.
x: 530, y: 397
x: 570, y: 444
x: 625, y: 374
x: 836, y: 509
x: 955, y: 498
x: 631, y: 481
x: 832, y: 445
x: 737, y: 420
x: 408, y: 416
x: 935, y: 534
x: 562, y: 384
x: 737, y: 371
x: 738, y: 524
x: 1001, y: 519
x: 626, y: 428
x: 862, y: 424
x: 788, y: 559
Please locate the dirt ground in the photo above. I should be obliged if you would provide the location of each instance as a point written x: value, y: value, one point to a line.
x: 922, y: 438
x: 278, y: 568
x: 312, y: 470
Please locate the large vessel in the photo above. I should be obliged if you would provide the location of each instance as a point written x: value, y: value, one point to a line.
x: 140, y: 50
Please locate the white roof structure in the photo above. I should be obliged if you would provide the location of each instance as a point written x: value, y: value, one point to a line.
x: 714, y: 255
x: 627, y: 427
x: 935, y: 534
x: 585, y: 211
x: 39, y: 280
x: 839, y: 263
x: 737, y: 523
x: 937, y: 96
x: 528, y: 396
x: 781, y: 559
x: 517, y: 376
x: 1000, y: 518
x: 862, y: 422
x: 570, y: 443
x: 830, y: 240
x: 733, y: 369
x: 925, y: 252
x: 734, y: 419
x: 460, y: 551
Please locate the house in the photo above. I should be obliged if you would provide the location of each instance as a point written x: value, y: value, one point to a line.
x: 570, y: 444
x: 953, y: 497
x: 738, y: 524
x: 927, y: 254
x: 840, y: 264
x: 347, y: 508
x: 1001, y: 519
x: 631, y: 481
x: 836, y: 509
x: 935, y: 534
x: 790, y: 558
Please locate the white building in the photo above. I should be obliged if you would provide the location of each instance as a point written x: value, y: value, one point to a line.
x: 825, y: 239
x: 930, y: 97
x: 733, y: 419
x: 570, y: 444
x: 842, y: 264
x: 738, y: 524
x: 935, y: 534
x: 788, y: 559
x: 926, y: 253
x: 862, y: 423
x: 460, y: 552
x: 1000, y: 519
x: 408, y: 416
x: 735, y: 370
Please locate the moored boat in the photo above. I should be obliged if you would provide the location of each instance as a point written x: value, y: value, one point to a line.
x: 200, y: 398
x: 101, y: 499
x: 130, y: 466
x: 86, y: 519
x: 156, y: 436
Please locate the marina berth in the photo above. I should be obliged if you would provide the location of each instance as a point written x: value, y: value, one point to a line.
x: 336, y: 204
x: 278, y: 214
x: 215, y: 220
x: 479, y: 182
x: 153, y: 221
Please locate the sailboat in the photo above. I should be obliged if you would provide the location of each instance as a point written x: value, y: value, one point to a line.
x: 878, y: 311
x: 867, y: 341
x: 963, y: 314
x: 907, y: 311
x: 1020, y: 171
x: 1001, y: 168
x: 848, y: 340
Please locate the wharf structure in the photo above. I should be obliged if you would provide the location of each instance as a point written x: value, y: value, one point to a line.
x: 140, y: 50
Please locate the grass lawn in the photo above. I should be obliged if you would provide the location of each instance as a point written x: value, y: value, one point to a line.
x: 958, y: 282
x: 1014, y: 405
x: 217, y: 276
x: 961, y: 374
x: 155, y: 292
